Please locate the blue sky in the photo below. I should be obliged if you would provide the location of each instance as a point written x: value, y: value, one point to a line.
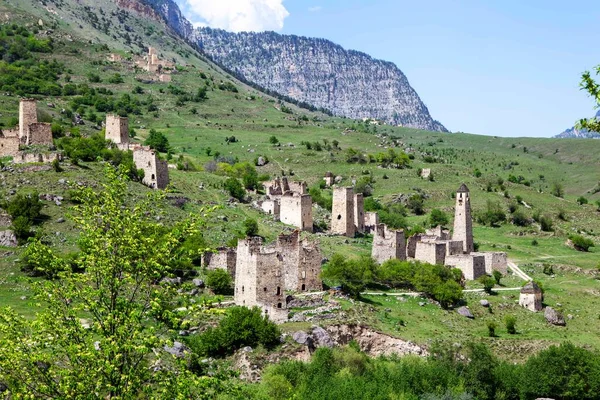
x: 505, y: 68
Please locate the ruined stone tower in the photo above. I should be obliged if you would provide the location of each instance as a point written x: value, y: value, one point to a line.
x: 296, y: 209
x: 27, y: 116
x: 301, y: 260
x: 388, y: 244
x: 117, y: 131
x: 342, y: 214
x: 531, y: 297
x: 463, y: 224
x: 156, y: 171
x: 359, y: 213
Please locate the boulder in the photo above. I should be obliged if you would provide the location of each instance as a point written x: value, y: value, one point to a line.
x: 484, y: 303
x: 554, y: 317
x: 171, y: 281
x: 178, y: 349
x: 302, y: 337
x: 261, y: 161
x: 465, y: 312
x: 198, y: 283
x: 321, y: 337
x: 8, y: 239
x: 338, y: 179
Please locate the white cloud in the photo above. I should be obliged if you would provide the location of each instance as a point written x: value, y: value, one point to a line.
x: 241, y: 15
x: 315, y: 9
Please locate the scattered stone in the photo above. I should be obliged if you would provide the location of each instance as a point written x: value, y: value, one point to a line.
x: 178, y: 349
x: 23, y: 297
x: 60, y: 220
x: 321, y: 337
x: 554, y: 317
x: 247, y: 349
x: 184, y: 332
x: 569, y: 316
x: 97, y: 346
x: 62, y: 181
x: 338, y: 179
x: 8, y: 239
x: 302, y: 338
x: 465, y: 312
x: 198, y: 283
x: 422, y: 304
x: 171, y: 281
x: 85, y: 323
x: 261, y: 161
x: 484, y: 303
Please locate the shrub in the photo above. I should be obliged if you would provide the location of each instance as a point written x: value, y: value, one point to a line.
x: 437, y: 217
x: 115, y: 79
x: 581, y: 243
x: 251, y: 227
x: 322, y: 201
x: 241, y: 327
x: 21, y: 227
x: 352, y: 275
x: 497, y: 276
x: 520, y: 219
x: 534, y: 242
x: 273, y: 140
x: 493, y: 216
x: 415, y: 204
x: 56, y: 165
x: 546, y: 223
x: 511, y: 323
x: 157, y: 141
x: 488, y: 283
x: 235, y: 188
x: 219, y: 281
x: 557, y: 189
x: 491, y: 328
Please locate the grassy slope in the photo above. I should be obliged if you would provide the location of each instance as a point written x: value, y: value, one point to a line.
x: 574, y: 163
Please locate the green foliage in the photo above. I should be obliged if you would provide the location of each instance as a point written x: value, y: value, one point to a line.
x: 546, y: 223
x: 581, y: 243
x: 493, y: 216
x: 157, y: 141
x: 497, y: 275
x: 56, y: 165
x: 219, y: 281
x: 557, y: 189
x: 228, y: 86
x: 353, y: 275
x: 488, y: 283
x: 320, y: 199
x: 364, y: 185
x: 24, y: 210
x: 123, y: 254
x: 241, y: 327
x: 273, y: 140
x: 115, y: 79
x: 437, y: 217
x: 250, y: 227
x: 491, y: 326
x: 511, y: 324
x: 582, y: 200
x: 415, y: 204
x: 235, y: 188
x: 519, y: 218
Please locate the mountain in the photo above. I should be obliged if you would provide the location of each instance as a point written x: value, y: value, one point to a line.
x: 314, y: 71
x: 574, y: 133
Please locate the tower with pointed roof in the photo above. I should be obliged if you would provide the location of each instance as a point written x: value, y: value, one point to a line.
x: 463, y: 224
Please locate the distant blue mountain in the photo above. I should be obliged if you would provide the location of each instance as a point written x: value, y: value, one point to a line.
x: 575, y: 133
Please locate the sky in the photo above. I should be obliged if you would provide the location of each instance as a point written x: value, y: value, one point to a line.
x: 492, y: 67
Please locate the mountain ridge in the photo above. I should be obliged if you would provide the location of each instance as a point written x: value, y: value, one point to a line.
x: 574, y: 133
x: 315, y: 71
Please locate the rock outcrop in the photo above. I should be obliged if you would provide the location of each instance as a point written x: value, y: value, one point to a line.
x: 554, y: 317
x: 574, y: 133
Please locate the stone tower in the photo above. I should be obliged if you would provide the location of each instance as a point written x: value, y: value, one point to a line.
x: 296, y: 209
x: 27, y: 116
x: 531, y: 297
x: 463, y: 224
x: 342, y: 214
x: 117, y: 131
x: 359, y: 213
x: 156, y: 171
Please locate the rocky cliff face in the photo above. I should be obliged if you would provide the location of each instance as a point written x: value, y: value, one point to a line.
x: 314, y: 71
x: 574, y: 133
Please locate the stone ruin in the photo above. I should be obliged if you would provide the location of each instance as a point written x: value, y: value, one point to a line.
x: 329, y: 179
x: 160, y: 68
x: 117, y: 131
x: 388, y: 244
x: 263, y: 273
x: 425, y: 172
x: 289, y: 202
x: 348, y: 213
x: 531, y: 297
x: 29, y: 132
x: 222, y: 258
x: 113, y: 57
x: 437, y: 246
x: 156, y: 171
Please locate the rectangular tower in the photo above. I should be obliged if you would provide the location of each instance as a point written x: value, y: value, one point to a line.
x: 27, y: 116
x: 359, y: 213
x: 296, y: 210
x: 117, y: 130
x: 156, y: 171
x: 342, y: 214
x: 463, y: 224
x: 388, y: 244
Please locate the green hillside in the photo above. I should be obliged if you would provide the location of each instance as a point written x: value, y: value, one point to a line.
x: 499, y: 170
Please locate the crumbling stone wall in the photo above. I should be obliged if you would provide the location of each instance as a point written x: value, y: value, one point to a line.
x: 411, y: 245
x: 5, y: 219
x: 453, y: 247
x: 164, y: 78
x: 431, y: 252
x: 296, y: 210
x: 425, y: 172
x: 329, y: 179
x: 40, y: 133
x: 156, y: 171
x: 117, y: 130
x: 495, y: 261
x: 388, y: 244
x: 342, y: 214
x: 531, y: 297
x: 223, y: 258
x: 371, y: 221
x: 9, y: 146
x: 438, y: 232
x: 472, y: 266
x: 24, y: 158
x: 271, y: 207
x: 301, y: 262
x: 274, y: 188
x: 463, y: 224
x: 359, y: 213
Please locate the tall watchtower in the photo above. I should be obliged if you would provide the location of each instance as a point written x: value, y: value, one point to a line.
x: 117, y: 130
x: 27, y: 116
x: 463, y: 224
x: 342, y: 215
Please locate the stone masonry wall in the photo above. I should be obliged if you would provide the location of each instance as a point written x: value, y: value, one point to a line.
x: 342, y: 215
x: 117, y: 130
x: 40, y: 134
x: 301, y: 263
x: 371, y: 221
x: 472, y: 266
x: 224, y: 258
x: 531, y: 301
x: 156, y: 171
x: 296, y: 210
x: 9, y: 146
x: 27, y: 116
x: 463, y: 224
x: 388, y: 244
x: 430, y: 252
x: 359, y: 213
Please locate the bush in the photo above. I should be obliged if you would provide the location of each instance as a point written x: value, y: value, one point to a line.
x: 520, y: 219
x: 24, y: 211
x: 546, y: 223
x: 493, y: 216
x: 511, y: 324
x: 251, y: 227
x: 438, y: 217
x: 219, y: 281
x: 491, y: 328
x: 352, y: 275
x: 56, y: 165
x: 115, y: 79
x: 157, y: 141
x: 557, y: 189
x: 415, y: 204
x: 488, y: 283
x: 241, y: 327
x: 497, y: 276
x: 320, y: 199
x: 581, y: 243
x: 235, y: 188
x: 21, y: 227
x: 273, y: 140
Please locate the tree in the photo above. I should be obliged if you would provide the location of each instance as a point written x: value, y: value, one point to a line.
x: 273, y: 140
x: 488, y: 283
x: 581, y: 243
x: 511, y: 323
x: 438, y: 217
x: 124, y: 253
x: 591, y: 86
x: 219, y: 281
x: 353, y: 275
x: 157, y: 141
x: 493, y: 216
x: 251, y: 227
x: 557, y: 189
x: 415, y: 204
x: 24, y: 211
x: 235, y: 188
x: 497, y: 276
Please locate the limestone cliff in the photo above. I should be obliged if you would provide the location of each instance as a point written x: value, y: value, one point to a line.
x: 314, y: 71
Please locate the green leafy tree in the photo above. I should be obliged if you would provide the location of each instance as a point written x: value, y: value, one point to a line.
x: 415, y: 204
x: 488, y: 283
x: 593, y: 89
x: 251, y: 227
x: 352, y: 275
x: 219, y: 281
x: 497, y: 276
x: 235, y: 188
x: 123, y: 253
x: 511, y: 324
x: 24, y: 210
x: 581, y: 243
x: 157, y: 141
x: 438, y: 217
